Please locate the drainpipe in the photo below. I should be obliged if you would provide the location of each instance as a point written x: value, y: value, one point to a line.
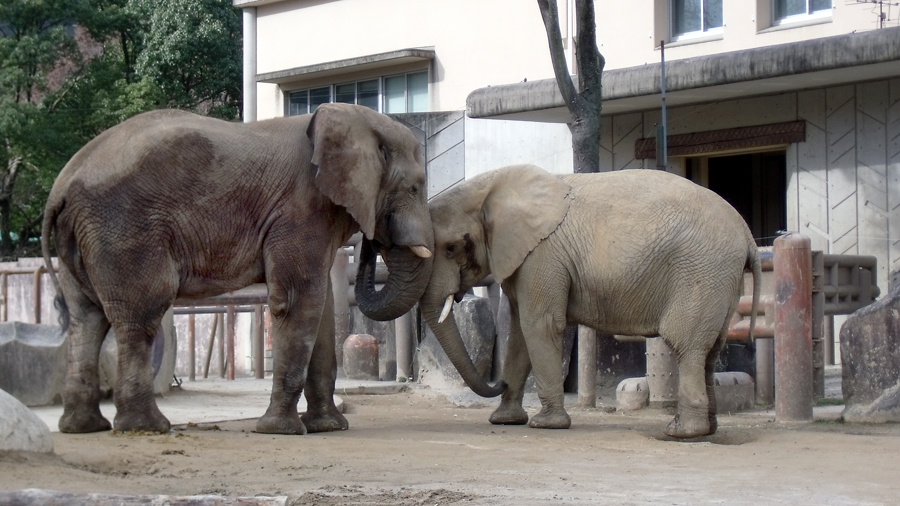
x: 662, y: 148
x: 249, y: 64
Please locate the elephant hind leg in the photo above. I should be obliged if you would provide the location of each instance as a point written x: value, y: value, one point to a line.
x: 81, y: 392
x: 695, y: 414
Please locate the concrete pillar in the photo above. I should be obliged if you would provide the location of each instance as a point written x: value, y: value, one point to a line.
x: 249, y: 64
x: 587, y: 367
x: 793, y: 329
x: 404, y: 339
x: 662, y: 374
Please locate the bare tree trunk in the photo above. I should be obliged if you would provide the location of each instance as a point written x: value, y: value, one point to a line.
x: 584, y: 103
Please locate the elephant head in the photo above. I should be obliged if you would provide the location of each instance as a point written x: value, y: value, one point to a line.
x: 486, y: 225
x: 373, y: 166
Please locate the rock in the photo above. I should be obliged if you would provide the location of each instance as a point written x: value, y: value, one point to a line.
x: 476, y: 325
x: 32, y: 362
x: 735, y: 391
x: 632, y: 394
x: 20, y: 429
x: 360, y: 357
x: 870, y: 361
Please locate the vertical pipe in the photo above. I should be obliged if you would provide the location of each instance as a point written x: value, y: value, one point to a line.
x: 210, y: 345
x: 587, y: 367
x: 661, y: 139
x: 793, y: 329
x: 229, y: 357
x: 37, y: 295
x: 249, y: 64
x: 339, y: 289
x: 765, y: 371
x: 4, y: 291
x: 192, y: 347
x: 221, y: 344
x: 404, y: 342
x: 259, y: 345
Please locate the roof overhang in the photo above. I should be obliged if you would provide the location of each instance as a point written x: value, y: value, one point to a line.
x: 358, y: 64
x: 240, y: 4
x: 768, y: 70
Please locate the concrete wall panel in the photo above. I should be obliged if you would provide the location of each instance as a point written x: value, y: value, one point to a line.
x: 841, y: 138
x: 871, y: 156
x: 892, y: 177
x: 812, y: 179
x: 626, y: 130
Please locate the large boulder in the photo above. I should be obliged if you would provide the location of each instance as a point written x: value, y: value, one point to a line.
x: 32, y: 362
x: 870, y: 361
x: 475, y: 320
x: 20, y: 429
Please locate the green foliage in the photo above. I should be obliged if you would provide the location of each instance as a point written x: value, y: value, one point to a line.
x: 70, y: 69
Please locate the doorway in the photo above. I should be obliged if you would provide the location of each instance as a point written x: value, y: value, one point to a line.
x: 754, y: 183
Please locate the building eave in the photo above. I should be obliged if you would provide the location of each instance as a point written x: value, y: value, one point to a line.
x: 361, y: 63
x: 781, y: 68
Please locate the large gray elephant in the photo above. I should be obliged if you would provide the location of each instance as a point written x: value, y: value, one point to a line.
x: 170, y: 205
x: 634, y: 252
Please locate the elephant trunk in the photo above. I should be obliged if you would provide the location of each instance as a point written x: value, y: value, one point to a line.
x: 408, y: 275
x: 448, y: 336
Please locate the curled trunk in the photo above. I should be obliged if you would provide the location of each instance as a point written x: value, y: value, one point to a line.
x: 447, y: 334
x: 407, y: 278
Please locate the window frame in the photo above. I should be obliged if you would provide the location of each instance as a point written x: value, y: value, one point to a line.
x: 798, y: 18
x: 703, y: 32
x: 333, y: 87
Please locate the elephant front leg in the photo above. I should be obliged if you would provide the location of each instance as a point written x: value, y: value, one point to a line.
x: 543, y: 337
x: 295, y: 329
x: 516, y: 367
x: 321, y: 413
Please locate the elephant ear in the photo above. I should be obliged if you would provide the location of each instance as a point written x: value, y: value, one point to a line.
x: 350, y: 164
x: 524, y: 206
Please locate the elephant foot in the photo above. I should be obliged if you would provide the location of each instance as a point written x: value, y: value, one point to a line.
x: 509, y: 415
x: 74, y: 421
x: 551, y: 419
x: 325, y: 420
x: 713, y: 424
x: 282, y: 423
x: 141, y: 420
x: 683, y: 427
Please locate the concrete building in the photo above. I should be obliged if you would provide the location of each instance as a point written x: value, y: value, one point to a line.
x: 790, y: 109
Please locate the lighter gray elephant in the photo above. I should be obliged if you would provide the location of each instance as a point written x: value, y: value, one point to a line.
x: 634, y: 252
x: 171, y: 205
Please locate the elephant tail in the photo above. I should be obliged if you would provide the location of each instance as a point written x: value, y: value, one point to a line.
x: 54, y: 207
x: 753, y: 264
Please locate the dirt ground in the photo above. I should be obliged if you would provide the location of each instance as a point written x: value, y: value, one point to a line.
x: 417, y: 447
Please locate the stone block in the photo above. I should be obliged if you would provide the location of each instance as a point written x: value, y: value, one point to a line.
x: 476, y: 325
x: 20, y: 429
x: 632, y: 394
x: 870, y: 361
x: 32, y: 362
x: 735, y: 391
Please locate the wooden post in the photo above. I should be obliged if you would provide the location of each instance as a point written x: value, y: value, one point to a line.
x: 259, y: 345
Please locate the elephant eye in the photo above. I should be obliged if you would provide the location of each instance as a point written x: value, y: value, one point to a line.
x: 452, y: 249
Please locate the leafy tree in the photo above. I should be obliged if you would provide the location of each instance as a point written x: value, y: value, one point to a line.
x: 70, y: 69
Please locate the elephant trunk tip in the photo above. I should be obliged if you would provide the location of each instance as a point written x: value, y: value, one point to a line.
x: 491, y: 390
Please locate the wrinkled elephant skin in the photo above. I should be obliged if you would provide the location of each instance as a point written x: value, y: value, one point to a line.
x: 633, y: 252
x: 170, y: 205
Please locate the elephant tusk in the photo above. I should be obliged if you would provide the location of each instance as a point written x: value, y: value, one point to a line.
x: 421, y: 251
x: 448, y: 305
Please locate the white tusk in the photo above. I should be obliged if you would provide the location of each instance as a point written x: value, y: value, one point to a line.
x: 448, y: 305
x: 421, y: 251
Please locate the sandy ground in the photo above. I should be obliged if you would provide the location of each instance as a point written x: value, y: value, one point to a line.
x: 418, y: 447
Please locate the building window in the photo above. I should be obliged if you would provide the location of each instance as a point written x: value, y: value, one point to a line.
x: 790, y: 11
x: 694, y: 18
x: 390, y: 94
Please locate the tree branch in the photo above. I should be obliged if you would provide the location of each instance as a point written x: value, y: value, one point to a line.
x: 550, y: 16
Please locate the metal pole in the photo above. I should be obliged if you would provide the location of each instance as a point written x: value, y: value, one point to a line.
x: 221, y: 345
x: 404, y: 342
x: 259, y: 346
x: 37, y: 295
x: 793, y: 329
x: 662, y: 144
x: 587, y: 367
x: 4, y: 291
x: 192, y: 360
x: 249, y: 64
x: 765, y: 371
x: 340, y: 290
x: 229, y: 357
x: 210, y: 344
